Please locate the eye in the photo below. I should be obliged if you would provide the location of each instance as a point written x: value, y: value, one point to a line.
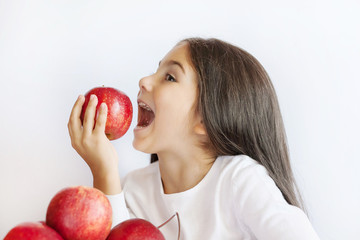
x: 170, y: 78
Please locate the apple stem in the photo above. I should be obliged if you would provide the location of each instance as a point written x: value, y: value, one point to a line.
x: 178, y: 218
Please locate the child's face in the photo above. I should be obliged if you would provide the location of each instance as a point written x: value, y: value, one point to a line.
x: 167, y: 100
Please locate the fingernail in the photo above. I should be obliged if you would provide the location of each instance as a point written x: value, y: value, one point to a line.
x: 103, y: 106
x: 92, y: 97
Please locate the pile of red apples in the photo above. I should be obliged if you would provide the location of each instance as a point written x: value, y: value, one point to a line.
x: 79, y: 213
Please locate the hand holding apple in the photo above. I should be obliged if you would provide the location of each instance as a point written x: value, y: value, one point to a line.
x: 93, y: 145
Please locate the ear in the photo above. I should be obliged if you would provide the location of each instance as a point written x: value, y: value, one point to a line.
x: 200, y: 128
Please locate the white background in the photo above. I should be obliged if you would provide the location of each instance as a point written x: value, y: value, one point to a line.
x: 52, y: 51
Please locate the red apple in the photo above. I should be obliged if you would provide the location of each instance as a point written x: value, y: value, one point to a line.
x: 33, y: 231
x: 120, y: 110
x: 135, y: 229
x: 79, y: 213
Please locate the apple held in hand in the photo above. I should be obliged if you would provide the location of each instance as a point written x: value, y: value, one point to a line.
x: 120, y: 110
x: 34, y: 231
x: 79, y: 213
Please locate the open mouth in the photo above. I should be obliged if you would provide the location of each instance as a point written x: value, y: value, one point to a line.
x: 145, y: 115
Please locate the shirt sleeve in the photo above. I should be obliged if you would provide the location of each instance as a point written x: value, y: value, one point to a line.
x: 260, y: 205
x: 119, y: 209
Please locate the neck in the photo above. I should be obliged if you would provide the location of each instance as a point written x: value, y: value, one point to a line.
x: 183, y: 172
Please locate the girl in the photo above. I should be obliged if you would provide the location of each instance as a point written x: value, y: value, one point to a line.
x: 210, y: 118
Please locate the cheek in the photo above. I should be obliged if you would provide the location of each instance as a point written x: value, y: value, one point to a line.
x: 175, y: 108
x: 175, y: 120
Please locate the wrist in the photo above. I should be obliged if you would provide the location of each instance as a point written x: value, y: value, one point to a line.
x: 107, y: 181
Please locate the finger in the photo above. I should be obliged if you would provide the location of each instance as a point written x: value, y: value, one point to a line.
x: 89, y: 117
x: 101, y: 119
x: 74, y: 123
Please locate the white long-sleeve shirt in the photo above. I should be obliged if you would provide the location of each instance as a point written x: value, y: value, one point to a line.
x: 235, y: 200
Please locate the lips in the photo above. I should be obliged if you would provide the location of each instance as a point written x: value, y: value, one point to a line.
x: 145, y: 115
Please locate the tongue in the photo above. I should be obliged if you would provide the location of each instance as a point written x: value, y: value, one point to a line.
x: 145, y: 118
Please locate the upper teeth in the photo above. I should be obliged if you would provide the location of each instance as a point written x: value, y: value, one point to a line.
x: 143, y: 105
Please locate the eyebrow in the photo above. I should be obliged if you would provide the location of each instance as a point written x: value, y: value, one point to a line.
x: 173, y: 62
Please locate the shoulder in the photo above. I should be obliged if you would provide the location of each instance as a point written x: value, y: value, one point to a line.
x: 248, y: 179
x: 241, y: 168
x: 237, y: 162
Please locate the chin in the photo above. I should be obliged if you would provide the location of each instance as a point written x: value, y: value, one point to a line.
x: 138, y: 146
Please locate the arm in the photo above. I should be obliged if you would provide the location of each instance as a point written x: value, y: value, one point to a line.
x: 118, y: 205
x: 93, y: 146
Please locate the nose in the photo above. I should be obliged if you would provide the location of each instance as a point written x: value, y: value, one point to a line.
x: 145, y: 84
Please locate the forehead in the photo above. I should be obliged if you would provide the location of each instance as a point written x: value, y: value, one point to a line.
x: 180, y: 53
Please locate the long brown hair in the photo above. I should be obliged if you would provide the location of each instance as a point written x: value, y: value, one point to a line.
x: 240, y: 110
